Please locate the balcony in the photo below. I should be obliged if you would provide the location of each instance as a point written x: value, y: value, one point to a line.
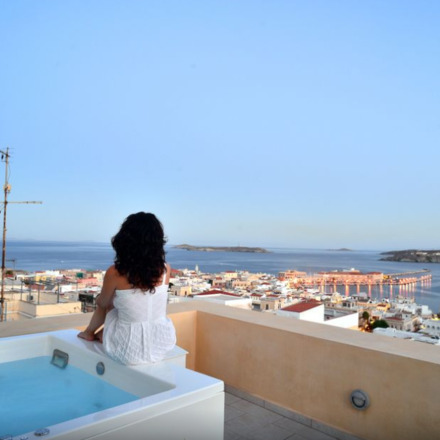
x: 293, y: 379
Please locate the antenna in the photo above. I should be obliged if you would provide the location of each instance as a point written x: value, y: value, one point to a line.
x: 7, y: 188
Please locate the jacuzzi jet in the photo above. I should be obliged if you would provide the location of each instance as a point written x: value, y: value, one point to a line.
x: 100, y: 368
x: 59, y: 358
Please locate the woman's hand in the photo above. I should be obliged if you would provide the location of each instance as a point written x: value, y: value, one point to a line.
x: 87, y: 335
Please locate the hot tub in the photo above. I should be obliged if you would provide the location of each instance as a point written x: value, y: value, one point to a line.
x: 170, y: 401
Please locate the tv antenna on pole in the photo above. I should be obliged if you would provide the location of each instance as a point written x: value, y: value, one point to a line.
x: 7, y: 188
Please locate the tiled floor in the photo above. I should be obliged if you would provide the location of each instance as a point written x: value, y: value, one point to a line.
x: 247, y: 421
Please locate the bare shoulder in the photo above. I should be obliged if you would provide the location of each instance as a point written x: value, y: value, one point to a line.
x: 117, y: 280
x: 112, y: 269
x: 112, y: 276
x: 112, y: 272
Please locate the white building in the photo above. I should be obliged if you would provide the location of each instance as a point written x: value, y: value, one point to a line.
x: 306, y: 310
x: 413, y: 308
x: 406, y: 335
x: 225, y: 298
x: 341, y: 318
x: 432, y: 327
x: 316, y: 312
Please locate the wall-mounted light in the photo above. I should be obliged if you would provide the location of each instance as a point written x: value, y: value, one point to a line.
x: 359, y: 399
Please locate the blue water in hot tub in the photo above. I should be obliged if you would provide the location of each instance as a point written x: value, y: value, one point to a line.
x: 36, y: 394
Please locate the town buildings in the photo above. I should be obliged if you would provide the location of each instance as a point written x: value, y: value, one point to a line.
x: 284, y: 295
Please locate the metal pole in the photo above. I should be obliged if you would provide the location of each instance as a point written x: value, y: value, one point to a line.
x: 7, y: 189
x: 5, y: 205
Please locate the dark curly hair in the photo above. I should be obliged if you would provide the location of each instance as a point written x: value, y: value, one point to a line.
x: 139, y: 247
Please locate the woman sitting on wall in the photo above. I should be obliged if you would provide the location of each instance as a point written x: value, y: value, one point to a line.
x: 134, y: 296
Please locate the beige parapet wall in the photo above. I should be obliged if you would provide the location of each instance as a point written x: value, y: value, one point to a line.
x: 312, y: 369
x: 43, y: 310
x: 185, y: 322
x: 304, y: 367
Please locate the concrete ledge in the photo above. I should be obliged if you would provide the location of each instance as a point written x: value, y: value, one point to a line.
x: 41, y: 325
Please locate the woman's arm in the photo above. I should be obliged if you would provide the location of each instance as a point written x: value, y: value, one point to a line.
x: 105, y: 299
x: 168, y: 274
x: 104, y: 302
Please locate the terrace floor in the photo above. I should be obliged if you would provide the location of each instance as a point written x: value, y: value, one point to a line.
x: 245, y: 420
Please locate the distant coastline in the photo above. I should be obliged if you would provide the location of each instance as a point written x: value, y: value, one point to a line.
x: 340, y: 250
x: 188, y: 247
x: 412, y: 256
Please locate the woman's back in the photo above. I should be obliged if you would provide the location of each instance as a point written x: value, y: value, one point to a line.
x: 137, y: 330
x: 134, y: 305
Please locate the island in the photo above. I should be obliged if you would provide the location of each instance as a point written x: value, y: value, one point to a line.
x: 340, y: 250
x: 188, y: 247
x: 412, y: 256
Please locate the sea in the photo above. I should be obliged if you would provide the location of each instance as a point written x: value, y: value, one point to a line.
x: 51, y: 255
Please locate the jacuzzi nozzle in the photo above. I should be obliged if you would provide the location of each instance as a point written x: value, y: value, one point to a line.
x: 60, y: 359
x: 100, y: 368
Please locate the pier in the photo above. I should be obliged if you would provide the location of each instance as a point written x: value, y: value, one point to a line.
x: 356, y: 278
x: 416, y: 272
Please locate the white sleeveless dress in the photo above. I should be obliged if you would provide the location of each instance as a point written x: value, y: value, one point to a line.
x: 137, y: 330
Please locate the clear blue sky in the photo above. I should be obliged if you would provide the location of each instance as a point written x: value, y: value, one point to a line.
x: 274, y: 123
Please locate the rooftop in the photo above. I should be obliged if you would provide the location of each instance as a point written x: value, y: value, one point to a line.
x: 291, y: 379
x: 217, y: 292
x: 302, y: 306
